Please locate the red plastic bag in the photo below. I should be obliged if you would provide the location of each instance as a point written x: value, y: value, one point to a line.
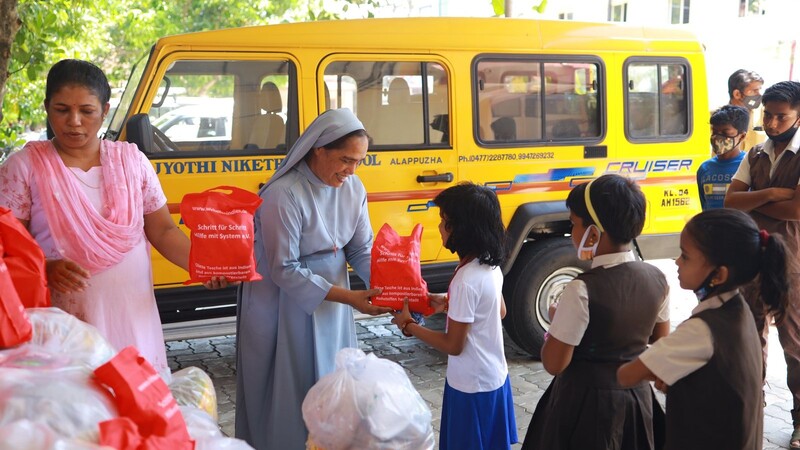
x: 15, y: 328
x: 142, y: 396
x: 396, y: 270
x: 25, y: 261
x: 221, y: 221
x: 122, y: 433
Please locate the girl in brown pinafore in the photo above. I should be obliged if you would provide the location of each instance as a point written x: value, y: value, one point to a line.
x: 710, y: 366
x: 605, y: 317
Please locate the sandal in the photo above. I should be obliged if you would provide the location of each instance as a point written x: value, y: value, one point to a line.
x: 795, y: 440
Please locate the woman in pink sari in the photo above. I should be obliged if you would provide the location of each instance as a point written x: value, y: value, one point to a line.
x: 95, y: 207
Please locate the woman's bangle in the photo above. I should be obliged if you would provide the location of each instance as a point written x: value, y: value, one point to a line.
x: 405, y: 324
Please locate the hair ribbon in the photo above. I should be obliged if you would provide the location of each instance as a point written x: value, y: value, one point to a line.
x: 763, y: 237
x: 592, y: 213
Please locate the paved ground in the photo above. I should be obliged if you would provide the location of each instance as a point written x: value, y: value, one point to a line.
x: 426, y: 368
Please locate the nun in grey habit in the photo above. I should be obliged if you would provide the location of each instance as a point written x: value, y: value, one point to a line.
x: 312, y: 222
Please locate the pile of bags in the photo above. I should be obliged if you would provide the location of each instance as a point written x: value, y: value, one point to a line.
x: 67, y: 388
x: 63, y: 386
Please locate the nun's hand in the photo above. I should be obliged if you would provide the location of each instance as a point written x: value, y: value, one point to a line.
x: 219, y: 283
x: 363, y: 304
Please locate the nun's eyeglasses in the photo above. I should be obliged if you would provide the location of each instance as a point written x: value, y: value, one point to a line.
x: 350, y: 161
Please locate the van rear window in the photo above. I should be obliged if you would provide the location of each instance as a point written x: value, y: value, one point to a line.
x: 657, y: 99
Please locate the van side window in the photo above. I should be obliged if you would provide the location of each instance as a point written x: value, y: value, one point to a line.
x: 226, y: 105
x: 401, y: 103
x: 656, y: 103
x: 531, y: 101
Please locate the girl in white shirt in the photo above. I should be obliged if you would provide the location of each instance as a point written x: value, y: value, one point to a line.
x: 711, y: 366
x: 477, y: 409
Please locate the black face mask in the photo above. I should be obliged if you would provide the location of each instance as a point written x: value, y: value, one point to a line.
x: 752, y: 101
x: 705, y: 288
x: 786, y: 136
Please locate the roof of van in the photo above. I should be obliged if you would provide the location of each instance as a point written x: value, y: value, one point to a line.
x: 441, y: 33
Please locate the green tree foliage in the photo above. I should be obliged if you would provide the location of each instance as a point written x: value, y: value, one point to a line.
x: 115, y: 34
x: 500, y: 7
x: 50, y: 30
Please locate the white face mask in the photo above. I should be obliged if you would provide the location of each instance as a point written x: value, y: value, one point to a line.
x: 587, y: 253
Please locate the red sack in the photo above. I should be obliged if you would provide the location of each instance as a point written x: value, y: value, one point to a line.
x: 396, y: 270
x: 15, y: 328
x: 142, y: 396
x: 122, y: 433
x: 222, y: 234
x: 25, y: 261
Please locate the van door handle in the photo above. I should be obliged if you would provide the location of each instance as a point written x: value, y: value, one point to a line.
x: 446, y: 177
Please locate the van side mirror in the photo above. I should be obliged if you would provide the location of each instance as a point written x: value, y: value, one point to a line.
x: 140, y: 132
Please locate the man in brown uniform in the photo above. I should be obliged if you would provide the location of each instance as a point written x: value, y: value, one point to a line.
x: 766, y: 186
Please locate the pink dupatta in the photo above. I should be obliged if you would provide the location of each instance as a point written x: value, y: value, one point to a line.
x: 94, y: 240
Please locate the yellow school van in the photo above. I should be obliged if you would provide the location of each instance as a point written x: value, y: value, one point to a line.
x: 530, y: 108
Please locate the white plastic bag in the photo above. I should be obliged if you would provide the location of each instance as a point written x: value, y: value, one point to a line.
x: 221, y: 443
x: 71, y: 407
x: 29, y: 435
x: 64, y: 333
x: 199, y: 424
x: 206, y: 433
x: 367, y: 403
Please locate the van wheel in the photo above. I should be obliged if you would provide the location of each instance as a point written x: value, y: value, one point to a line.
x: 537, y: 279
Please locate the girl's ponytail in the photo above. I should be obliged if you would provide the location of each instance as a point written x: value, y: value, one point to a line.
x: 774, y: 274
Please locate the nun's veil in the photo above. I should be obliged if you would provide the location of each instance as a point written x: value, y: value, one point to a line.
x: 326, y: 128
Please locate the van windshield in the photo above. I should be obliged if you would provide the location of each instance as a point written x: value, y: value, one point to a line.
x: 121, y: 111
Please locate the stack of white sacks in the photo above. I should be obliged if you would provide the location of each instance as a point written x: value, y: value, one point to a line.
x: 49, y: 400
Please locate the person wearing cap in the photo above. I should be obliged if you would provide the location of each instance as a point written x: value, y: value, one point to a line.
x: 312, y: 223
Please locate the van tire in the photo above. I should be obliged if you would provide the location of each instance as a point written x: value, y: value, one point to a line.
x: 539, y: 274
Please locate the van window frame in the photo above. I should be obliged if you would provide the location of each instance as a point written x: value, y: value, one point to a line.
x: 689, y: 93
x: 602, y: 91
x: 424, y: 61
x: 292, y: 103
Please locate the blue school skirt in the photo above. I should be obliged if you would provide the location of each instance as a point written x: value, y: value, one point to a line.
x: 479, y: 421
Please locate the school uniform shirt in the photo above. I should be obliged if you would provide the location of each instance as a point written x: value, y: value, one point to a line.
x: 608, y: 314
x: 760, y: 170
x: 765, y: 171
x: 712, y: 363
x: 768, y: 147
x: 475, y: 294
x: 686, y: 349
x: 572, y: 317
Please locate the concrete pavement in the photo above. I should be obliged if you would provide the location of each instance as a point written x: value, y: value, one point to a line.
x: 426, y: 368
